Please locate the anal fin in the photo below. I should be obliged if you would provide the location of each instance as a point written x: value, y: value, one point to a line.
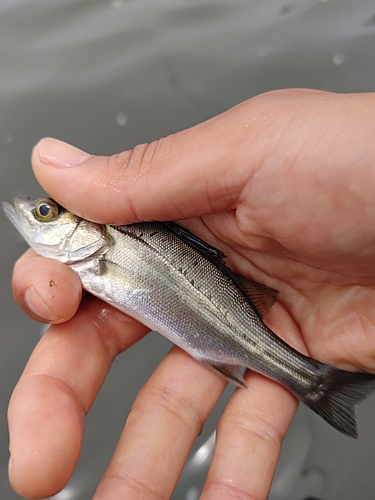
x: 231, y: 373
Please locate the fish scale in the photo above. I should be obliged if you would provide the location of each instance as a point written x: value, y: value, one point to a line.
x: 177, y: 284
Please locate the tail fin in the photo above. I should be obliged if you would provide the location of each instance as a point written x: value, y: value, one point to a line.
x: 338, y: 396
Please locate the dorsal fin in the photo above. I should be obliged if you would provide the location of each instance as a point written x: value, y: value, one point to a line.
x: 261, y: 296
x: 195, y: 242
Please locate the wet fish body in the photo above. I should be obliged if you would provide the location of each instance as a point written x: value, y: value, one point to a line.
x: 178, y: 285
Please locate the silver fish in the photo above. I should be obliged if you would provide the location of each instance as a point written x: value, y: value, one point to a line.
x: 176, y: 284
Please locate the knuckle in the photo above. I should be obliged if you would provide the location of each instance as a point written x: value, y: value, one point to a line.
x: 129, y: 166
x: 254, y: 425
x: 180, y: 407
x: 183, y: 408
x: 133, y: 174
x: 220, y: 488
x: 127, y: 486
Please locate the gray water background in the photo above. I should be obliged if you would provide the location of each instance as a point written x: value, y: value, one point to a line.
x: 106, y: 75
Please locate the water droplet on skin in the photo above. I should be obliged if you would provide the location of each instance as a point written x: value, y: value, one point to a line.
x: 338, y: 58
x: 121, y: 119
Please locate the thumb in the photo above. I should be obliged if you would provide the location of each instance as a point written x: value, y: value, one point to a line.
x: 191, y: 173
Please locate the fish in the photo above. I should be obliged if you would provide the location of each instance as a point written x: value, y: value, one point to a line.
x: 180, y: 286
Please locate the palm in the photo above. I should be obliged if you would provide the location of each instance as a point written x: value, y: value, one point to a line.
x: 325, y: 308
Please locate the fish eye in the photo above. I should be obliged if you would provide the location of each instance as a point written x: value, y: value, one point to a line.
x: 46, y: 210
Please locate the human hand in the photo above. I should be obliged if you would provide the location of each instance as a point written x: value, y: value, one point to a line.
x: 283, y: 185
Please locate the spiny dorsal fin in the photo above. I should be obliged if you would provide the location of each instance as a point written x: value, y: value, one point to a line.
x: 261, y: 296
x: 195, y: 242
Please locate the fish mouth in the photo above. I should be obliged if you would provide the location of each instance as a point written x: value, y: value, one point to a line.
x: 16, y: 213
x: 11, y: 213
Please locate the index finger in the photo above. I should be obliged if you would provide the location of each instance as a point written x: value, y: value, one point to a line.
x: 46, y: 289
x: 60, y: 382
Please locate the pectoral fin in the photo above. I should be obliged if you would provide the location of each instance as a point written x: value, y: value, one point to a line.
x: 232, y: 373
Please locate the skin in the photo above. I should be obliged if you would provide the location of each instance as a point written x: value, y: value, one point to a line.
x: 283, y: 184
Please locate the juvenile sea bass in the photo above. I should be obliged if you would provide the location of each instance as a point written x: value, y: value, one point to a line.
x: 178, y: 285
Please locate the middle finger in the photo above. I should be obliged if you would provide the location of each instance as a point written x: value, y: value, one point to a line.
x: 164, y: 421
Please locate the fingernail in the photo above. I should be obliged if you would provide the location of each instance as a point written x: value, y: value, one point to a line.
x: 60, y: 154
x: 38, y: 306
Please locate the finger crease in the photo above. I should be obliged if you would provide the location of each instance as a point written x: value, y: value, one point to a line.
x: 233, y: 492
x: 258, y: 427
x: 133, y: 487
x: 181, y: 408
x: 65, y: 388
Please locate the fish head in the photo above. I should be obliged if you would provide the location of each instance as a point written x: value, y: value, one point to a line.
x: 55, y: 232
